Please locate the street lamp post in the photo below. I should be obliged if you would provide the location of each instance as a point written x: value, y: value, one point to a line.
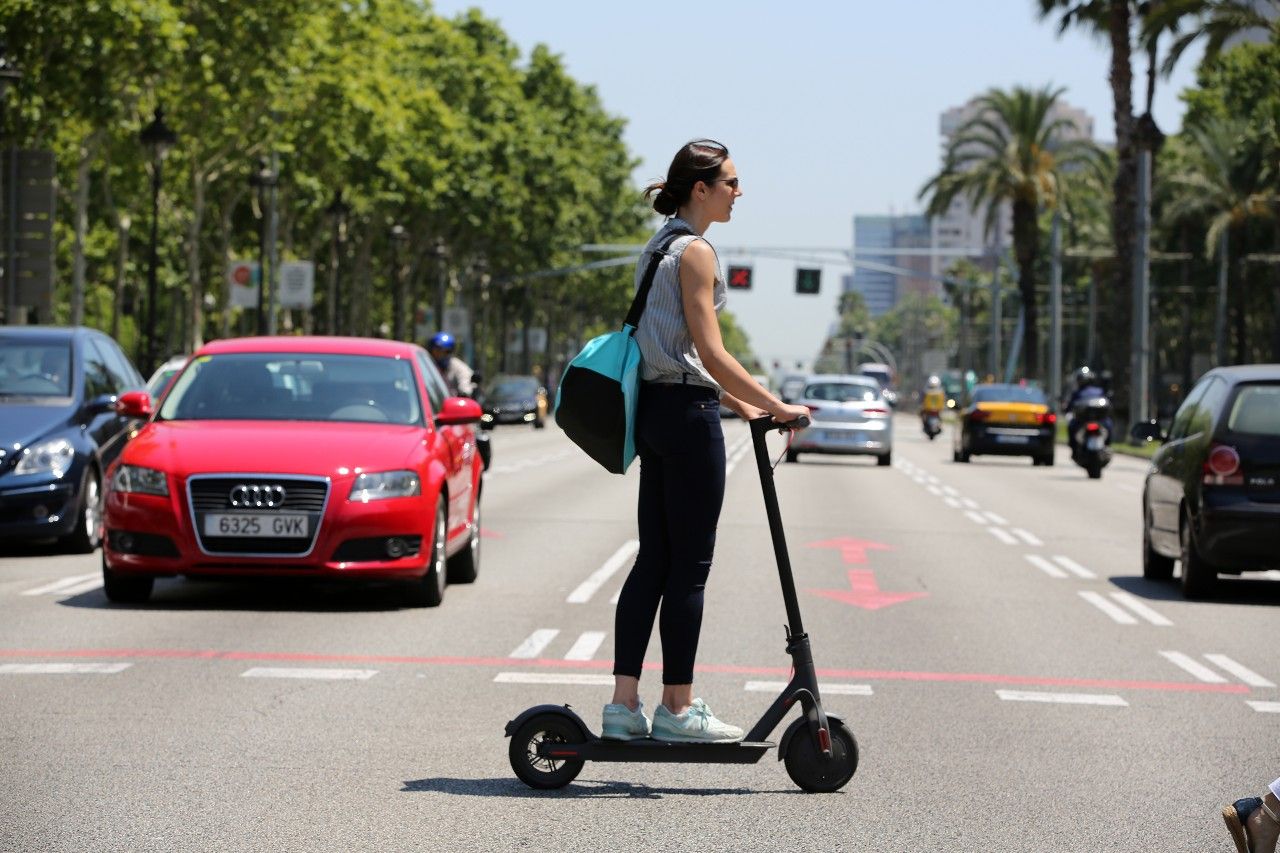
x: 337, y: 212
x: 10, y: 74
x: 398, y: 236
x: 262, y: 179
x: 441, y: 254
x: 158, y: 137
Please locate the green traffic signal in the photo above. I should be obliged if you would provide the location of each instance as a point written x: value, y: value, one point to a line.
x: 808, y: 281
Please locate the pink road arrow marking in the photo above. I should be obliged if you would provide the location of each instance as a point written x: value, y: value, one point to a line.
x: 864, y: 592
x: 852, y: 550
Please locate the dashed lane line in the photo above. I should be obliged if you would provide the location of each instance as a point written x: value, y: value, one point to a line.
x: 588, y: 588
x: 1074, y: 567
x: 1003, y: 535
x: 533, y: 644
x: 1030, y: 538
x: 309, y: 673
x: 994, y: 518
x: 833, y: 689
x: 1264, y: 707
x: 586, y: 646
x: 1115, y: 612
x: 1239, y: 670
x: 1194, y: 668
x: 62, y: 668
x: 976, y: 517
x: 65, y: 585
x: 551, y: 678
x: 952, y: 502
x: 1064, y: 698
x: 1045, y: 566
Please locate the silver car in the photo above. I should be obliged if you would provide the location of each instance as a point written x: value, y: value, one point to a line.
x: 850, y: 415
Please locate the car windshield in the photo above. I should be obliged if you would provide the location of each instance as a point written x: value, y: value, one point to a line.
x: 35, y: 368
x: 843, y: 392
x: 519, y: 387
x: 1256, y: 410
x: 1008, y: 394
x: 295, y: 387
x: 879, y: 376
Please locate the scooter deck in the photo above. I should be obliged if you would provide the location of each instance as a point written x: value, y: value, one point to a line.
x: 649, y: 750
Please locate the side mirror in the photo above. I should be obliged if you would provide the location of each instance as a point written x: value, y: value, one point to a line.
x: 458, y: 411
x: 1145, y: 432
x: 134, y: 404
x: 101, y: 404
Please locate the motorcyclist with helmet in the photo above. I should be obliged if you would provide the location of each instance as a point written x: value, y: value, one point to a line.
x: 457, y: 374
x: 1090, y: 385
x: 932, y: 404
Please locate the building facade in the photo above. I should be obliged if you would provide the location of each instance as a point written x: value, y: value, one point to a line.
x: 878, y: 240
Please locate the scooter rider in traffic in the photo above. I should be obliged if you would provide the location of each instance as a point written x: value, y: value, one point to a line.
x: 934, y: 401
x: 457, y: 374
x: 1089, y: 386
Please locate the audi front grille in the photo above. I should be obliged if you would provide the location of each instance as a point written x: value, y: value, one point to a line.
x: 263, y: 495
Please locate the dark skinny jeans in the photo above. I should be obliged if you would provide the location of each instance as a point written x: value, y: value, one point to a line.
x: 682, y: 471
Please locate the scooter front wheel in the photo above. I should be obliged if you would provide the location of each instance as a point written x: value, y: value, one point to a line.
x: 814, y: 772
x: 535, y: 770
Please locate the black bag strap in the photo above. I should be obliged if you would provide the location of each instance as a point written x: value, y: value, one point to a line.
x: 642, y: 295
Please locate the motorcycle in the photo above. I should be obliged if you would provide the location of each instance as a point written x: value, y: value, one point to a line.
x: 1091, y: 435
x: 932, y: 424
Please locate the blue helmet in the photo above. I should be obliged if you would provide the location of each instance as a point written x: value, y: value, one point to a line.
x: 444, y: 341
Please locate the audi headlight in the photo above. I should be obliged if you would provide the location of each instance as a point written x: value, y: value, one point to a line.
x: 140, y: 481
x: 48, y: 457
x: 387, y: 484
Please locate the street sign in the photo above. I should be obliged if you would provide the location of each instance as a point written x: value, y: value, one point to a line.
x: 808, y: 281
x: 740, y: 278
x: 537, y: 339
x: 296, y: 283
x: 242, y: 280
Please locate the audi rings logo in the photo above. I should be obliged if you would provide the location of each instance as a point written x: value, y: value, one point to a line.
x: 257, y: 497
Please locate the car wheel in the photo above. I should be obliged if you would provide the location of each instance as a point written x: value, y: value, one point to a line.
x: 428, y: 591
x: 87, y: 535
x: 1198, y: 578
x: 539, y: 423
x: 962, y: 456
x: 1155, y: 566
x: 793, y: 455
x: 885, y: 460
x: 125, y: 589
x: 464, y: 566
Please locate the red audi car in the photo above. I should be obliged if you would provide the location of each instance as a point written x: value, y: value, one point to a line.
x: 301, y: 457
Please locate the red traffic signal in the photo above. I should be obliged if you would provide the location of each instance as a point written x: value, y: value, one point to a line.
x: 740, y: 278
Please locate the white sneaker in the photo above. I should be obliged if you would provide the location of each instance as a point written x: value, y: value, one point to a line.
x: 696, y: 725
x: 622, y: 723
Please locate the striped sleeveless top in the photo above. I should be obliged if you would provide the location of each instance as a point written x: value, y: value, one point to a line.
x: 667, y: 352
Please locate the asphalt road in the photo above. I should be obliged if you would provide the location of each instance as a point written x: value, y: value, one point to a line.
x: 984, y: 629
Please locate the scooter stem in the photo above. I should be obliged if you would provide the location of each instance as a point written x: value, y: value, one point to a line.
x: 759, y: 428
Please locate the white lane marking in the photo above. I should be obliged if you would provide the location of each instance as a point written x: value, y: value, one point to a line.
x: 919, y: 479
x: 952, y: 502
x: 588, y: 587
x: 975, y: 517
x: 995, y: 519
x: 531, y: 462
x: 736, y: 453
x: 1132, y: 602
x: 1239, y: 670
x: 585, y: 647
x: 1045, y: 566
x: 969, y: 502
x: 616, y: 596
x: 832, y: 689
x: 550, y: 678
x: 1196, y: 669
x: 1074, y: 567
x: 535, y: 643
x: 1029, y: 538
x: 62, y: 668
x: 1066, y: 698
x: 87, y: 586
x: 1108, y: 608
x: 62, y: 583
x: 307, y: 672
x: 931, y: 480
x: 1264, y: 707
x: 1003, y: 535
x: 950, y: 490
x: 934, y: 490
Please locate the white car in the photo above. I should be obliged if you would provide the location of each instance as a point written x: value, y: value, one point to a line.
x: 159, y: 380
x: 848, y: 415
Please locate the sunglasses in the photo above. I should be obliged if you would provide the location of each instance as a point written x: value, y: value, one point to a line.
x: 732, y: 182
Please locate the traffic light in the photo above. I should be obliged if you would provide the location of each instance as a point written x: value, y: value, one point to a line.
x: 808, y: 280
x: 740, y: 278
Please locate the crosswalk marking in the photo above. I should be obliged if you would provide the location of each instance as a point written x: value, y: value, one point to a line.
x: 832, y: 689
x: 1074, y: 567
x: 551, y: 678
x: 1108, y: 608
x: 1003, y: 535
x: 1029, y: 538
x: 585, y: 647
x: 1196, y: 669
x: 1240, y: 671
x: 1065, y: 698
x: 62, y: 668
x: 1131, y: 601
x: 535, y: 643
x: 1045, y: 566
x: 307, y: 672
x: 588, y: 588
x: 1264, y: 707
x: 63, y: 585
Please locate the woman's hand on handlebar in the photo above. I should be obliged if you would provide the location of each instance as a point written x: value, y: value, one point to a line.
x: 786, y: 413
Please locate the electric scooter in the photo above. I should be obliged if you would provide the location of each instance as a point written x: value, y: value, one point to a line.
x: 550, y: 743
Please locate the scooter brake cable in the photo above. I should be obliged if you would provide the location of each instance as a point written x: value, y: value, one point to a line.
x: 791, y: 436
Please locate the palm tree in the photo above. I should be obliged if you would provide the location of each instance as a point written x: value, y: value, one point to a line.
x: 1216, y: 21
x: 1014, y: 150
x: 1219, y: 179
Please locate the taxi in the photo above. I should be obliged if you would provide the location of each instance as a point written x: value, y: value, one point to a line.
x: 1006, y: 420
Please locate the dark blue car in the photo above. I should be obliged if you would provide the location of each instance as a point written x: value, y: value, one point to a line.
x: 59, y: 429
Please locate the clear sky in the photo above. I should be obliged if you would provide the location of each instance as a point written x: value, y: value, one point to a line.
x: 829, y: 109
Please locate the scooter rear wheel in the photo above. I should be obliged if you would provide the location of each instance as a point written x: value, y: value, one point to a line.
x: 535, y: 770
x: 813, y: 772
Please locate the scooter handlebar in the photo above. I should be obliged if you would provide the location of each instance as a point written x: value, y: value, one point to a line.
x: 765, y: 423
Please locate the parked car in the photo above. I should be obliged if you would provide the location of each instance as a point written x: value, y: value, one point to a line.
x: 60, y: 427
x: 515, y: 400
x: 1006, y: 420
x: 159, y: 380
x: 1212, y: 495
x: 849, y: 415
x: 301, y: 457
